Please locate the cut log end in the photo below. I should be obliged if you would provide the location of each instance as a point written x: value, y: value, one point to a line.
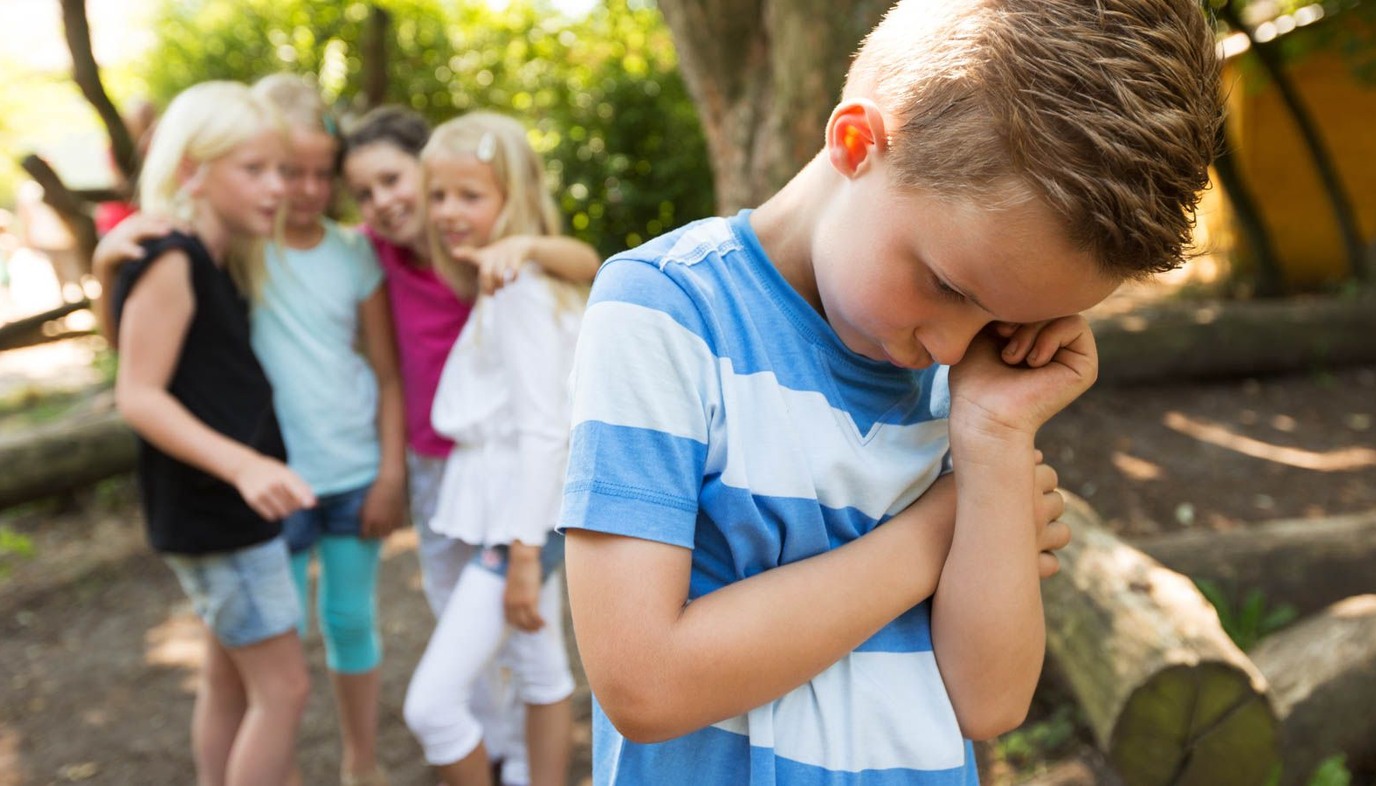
x: 1196, y: 725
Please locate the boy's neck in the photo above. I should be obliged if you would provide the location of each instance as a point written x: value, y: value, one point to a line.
x: 785, y: 222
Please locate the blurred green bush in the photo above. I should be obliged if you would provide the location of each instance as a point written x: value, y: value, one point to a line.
x: 601, y: 93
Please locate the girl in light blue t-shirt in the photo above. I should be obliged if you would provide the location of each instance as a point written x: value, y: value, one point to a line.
x: 340, y: 409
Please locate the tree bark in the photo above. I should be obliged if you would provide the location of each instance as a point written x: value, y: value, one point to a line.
x: 1323, y: 685
x: 1168, y: 696
x: 1268, y: 280
x: 69, y: 207
x: 764, y: 76
x: 63, y: 456
x: 374, y: 53
x: 1307, y: 564
x: 86, y: 74
x: 1212, y: 340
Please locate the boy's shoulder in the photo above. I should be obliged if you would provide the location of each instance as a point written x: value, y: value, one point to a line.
x: 687, y: 246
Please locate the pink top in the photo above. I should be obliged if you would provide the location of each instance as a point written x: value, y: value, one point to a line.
x: 428, y: 317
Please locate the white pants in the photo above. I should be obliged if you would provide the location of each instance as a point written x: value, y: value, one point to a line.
x: 471, y: 633
x: 442, y: 560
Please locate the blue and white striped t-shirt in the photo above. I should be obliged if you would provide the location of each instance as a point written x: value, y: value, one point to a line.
x: 714, y: 409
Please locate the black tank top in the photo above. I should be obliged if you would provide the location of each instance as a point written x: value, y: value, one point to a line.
x: 218, y: 379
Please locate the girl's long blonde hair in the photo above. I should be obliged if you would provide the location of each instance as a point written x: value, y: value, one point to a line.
x: 527, y: 206
x: 204, y: 122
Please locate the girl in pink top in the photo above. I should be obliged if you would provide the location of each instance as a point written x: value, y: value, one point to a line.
x: 383, y: 172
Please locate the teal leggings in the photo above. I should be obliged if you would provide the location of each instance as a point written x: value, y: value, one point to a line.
x: 347, y: 600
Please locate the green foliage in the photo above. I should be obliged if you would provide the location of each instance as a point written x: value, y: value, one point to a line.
x: 1250, y: 620
x: 1038, y: 742
x: 13, y: 545
x: 1331, y: 772
x: 601, y: 94
x: 1347, y: 28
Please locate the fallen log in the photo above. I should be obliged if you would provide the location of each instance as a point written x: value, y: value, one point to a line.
x: 1169, y: 697
x: 59, y: 457
x: 1236, y: 338
x: 1304, y: 563
x: 1322, y: 673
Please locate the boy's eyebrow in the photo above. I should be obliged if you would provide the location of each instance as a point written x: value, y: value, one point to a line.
x: 965, y: 293
x: 968, y: 296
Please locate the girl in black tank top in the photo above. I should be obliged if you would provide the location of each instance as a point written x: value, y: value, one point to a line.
x: 211, y: 463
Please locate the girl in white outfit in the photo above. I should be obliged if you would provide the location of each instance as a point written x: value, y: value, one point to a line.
x: 503, y: 399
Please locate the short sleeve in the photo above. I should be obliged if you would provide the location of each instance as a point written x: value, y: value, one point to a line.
x: 645, y: 389
x: 363, y: 262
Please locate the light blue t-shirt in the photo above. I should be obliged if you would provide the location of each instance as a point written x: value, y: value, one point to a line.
x: 306, y: 334
x: 714, y: 409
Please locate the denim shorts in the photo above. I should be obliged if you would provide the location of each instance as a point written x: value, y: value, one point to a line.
x: 244, y: 596
x: 333, y: 514
x: 494, y: 559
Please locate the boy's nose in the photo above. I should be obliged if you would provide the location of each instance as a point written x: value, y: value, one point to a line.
x: 948, y: 346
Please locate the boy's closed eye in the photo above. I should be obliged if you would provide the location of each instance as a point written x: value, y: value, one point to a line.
x: 945, y: 290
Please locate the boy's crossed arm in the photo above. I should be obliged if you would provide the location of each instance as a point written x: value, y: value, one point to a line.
x: 662, y: 667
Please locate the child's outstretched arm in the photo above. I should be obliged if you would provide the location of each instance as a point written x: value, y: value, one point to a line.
x: 988, y: 630
x: 561, y: 256
x: 152, y: 329
x: 662, y: 667
x: 384, y: 509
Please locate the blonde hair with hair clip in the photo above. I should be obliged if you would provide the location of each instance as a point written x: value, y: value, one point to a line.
x: 527, y: 206
x: 203, y: 123
x: 1107, y: 110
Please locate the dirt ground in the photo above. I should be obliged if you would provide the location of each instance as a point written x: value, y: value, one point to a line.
x: 98, y: 651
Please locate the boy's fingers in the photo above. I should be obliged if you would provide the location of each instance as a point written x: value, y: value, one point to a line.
x: 1021, y: 342
x: 1048, y: 564
x: 1068, y: 340
x: 1055, y: 537
x: 1045, y: 477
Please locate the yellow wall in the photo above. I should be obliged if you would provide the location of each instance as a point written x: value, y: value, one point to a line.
x: 1276, y: 165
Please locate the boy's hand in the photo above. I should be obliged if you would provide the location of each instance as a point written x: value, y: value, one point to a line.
x: 271, y: 488
x: 1052, y: 533
x: 384, y: 508
x: 521, y: 600
x: 121, y: 244
x: 1013, y: 387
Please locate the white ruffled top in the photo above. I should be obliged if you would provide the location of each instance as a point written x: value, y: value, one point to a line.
x: 503, y: 398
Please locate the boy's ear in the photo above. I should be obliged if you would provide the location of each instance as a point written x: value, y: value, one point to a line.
x: 855, y: 135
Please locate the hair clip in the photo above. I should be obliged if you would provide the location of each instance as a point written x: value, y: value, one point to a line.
x: 487, y: 148
x: 327, y: 120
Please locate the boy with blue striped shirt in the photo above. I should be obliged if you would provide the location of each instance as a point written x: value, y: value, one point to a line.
x: 806, y: 520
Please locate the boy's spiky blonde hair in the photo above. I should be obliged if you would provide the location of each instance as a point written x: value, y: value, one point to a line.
x: 1107, y: 110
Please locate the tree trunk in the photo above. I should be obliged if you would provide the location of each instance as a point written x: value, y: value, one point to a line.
x: 764, y: 76
x: 1268, y: 54
x: 1169, y: 697
x: 1266, y: 274
x: 69, y: 208
x: 86, y: 74
x: 374, y: 53
x: 1323, y: 685
x: 1203, y: 340
x: 66, y: 455
x: 1303, y: 563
